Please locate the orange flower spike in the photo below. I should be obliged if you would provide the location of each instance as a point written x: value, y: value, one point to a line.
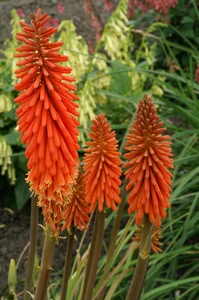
x: 148, y: 157
x: 155, y: 237
x: 76, y: 213
x: 46, y: 113
x: 101, y: 165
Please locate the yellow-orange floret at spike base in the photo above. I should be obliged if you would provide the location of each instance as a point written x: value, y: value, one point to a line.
x: 102, y: 166
x: 148, y: 159
x: 47, y: 117
x: 156, y: 235
x: 76, y: 213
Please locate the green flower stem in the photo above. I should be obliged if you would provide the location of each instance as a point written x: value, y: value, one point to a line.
x: 68, y: 260
x: 96, y: 255
x: 90, y: 256
x: 142, y: 262
x: 32, y: 248
x: 46, y: 265
x: 114, y: 233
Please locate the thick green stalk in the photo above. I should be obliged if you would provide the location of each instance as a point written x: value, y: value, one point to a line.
x: 32, y: 248
x: 137, y: 283
x: 90, y: 256
x: 46, y: 265
x: 114, y: 233
x: 68, y: 260
x: 96, y: 256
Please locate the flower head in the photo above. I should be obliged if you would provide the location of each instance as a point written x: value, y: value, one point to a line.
x: 60, y: 7
x: 162, y: 7
x: 46, y: 115
x: 155, y: 237
x: 149, y: 156
x: 101, y: 165
x: 76, y: 213
x: 108, y: 4
x: 20, y: 13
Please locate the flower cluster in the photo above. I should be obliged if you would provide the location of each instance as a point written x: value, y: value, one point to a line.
x: 47, y: 116
x: 155, y: 237
x: 47, y: 120
x: 148, y: 157
x: 159, y: 6
x: 108, y: 4
x: 76, y: 213
x: 162, y: 6
x: 101, y: 165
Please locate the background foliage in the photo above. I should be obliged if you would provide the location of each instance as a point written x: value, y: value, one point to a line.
x: 149, y: 54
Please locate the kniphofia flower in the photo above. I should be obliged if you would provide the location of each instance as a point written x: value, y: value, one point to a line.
x: 46, y: 116
x: 148, y: 159
x: 76, y: 212
x: 101, y: 165
x: 155, y: 237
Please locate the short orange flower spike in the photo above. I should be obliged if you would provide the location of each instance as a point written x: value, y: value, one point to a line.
x: 101, y: 165
x: 76, y: 213
x: 156, y: 235
x: 46, y: 115
x: 148, y: 159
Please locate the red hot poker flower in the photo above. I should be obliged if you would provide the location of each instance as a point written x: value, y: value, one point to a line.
x: 101, y: 165
x: 76, y: 213
x: 46, y: 114
x: 149, y: 156
x: 155, y: 237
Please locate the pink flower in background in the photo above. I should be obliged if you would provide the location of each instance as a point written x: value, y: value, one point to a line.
x: 55, y: 22
x: 160, y: 6
x: 60, y: 7
x: 20, y: 13
x: 197, y: 74
x: 108, y: 4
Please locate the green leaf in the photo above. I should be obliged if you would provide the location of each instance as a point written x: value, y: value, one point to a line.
x: 12, y: 138
x: 154, y: 293
x: 11, y: 114
x: 22, y: 192
x: 187, y: 19
x: 1, y: 123
x: 188, y: 32
x: 120, y: 81
x: 22, y: 162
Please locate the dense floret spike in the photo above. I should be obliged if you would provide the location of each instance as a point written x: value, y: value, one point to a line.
x: 46, y: 115
x: 101, y: 165
x: 148, y: 159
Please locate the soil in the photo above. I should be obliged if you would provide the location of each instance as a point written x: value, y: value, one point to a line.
x: 14, y: 239
x: 14, y: 226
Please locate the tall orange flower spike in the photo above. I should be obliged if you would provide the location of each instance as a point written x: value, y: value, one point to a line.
x: 149, y: 156
x: 76, y: 213
x: 101, y: 165
x: 46, y: 115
